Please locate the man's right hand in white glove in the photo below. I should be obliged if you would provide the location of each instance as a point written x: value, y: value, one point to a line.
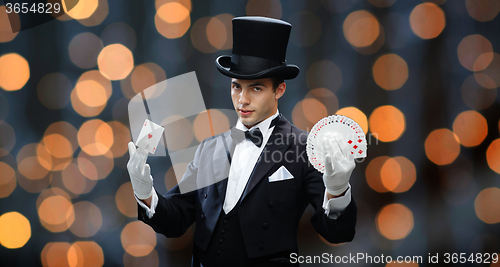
x: 140, y: 173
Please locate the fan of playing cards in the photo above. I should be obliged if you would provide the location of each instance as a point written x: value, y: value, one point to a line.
x: 346, y: 127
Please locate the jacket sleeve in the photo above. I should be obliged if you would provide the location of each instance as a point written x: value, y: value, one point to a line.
x: 339, y: 230
x: 175, y: 211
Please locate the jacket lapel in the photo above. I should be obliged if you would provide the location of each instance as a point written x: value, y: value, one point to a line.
x: 278, y: 142
x: 222, y: 162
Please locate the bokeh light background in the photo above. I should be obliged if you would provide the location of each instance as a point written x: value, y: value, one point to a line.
x: 420, y: 77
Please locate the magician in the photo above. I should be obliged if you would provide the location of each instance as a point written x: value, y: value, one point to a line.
x: 252, y: 217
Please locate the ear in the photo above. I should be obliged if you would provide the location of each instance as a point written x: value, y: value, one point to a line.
x: 280, y: 90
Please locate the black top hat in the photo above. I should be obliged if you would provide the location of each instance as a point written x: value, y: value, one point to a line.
x: 259, y: 50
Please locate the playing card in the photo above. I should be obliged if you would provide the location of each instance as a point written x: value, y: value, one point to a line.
x: 150, y: 135
x: 350, y: 131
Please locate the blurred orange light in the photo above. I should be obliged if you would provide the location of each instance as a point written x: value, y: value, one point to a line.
x: 390, y: 174
x: 264, y: 8
x: 361, y: 28
x: 470, y: 127
x: 173, y: 12
x: 115, y: 61
x: 14, y: 72
x: 398, y: 174
x: 489, y: 76
x: 7, y: 138
x: 85, y: 254
x: 98, y: 16
x: 202, y: 127
x: 326, y: 97
x: 390, y: 71
x: 8, y: 181
x: 82, y: 10
x: 387, y: 123
x: 471, y: 48
x: 83, y: 99
x: 216, y: 33
x: 57, y: 145
x: 299, y: 119
x: 179, y: 132
x: 31, y: 168
x: 121, y: 137
x: 313, y: 110
x: 442, y: 146
x: 394, y: 221
x: 408, y: 175
x: 95, y: 167
x: 493, y: 155
x: 74, y: 180
x: 125, y: 200
x: 95, y: 137
x: 427, y: 20
x: 357, y: 115
x: 483, y: 10
x: 15, y: 230
x: 199, y: 36
x: 185, y: 3
x: 147, y: 75
x: 56, y: 213
x: 55, y: 254
x: 373, y: 174
x: 483, y: 61
x: 487, y: 205
x: 170, y: 30
x: 138, y: 239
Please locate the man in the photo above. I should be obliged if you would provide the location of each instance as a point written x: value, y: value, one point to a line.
x: 252, y: 217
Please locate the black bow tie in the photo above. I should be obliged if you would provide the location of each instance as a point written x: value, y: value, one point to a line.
x: 255, y: 135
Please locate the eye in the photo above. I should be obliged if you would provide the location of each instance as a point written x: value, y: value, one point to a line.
x: 235, y: 86
x: 257, y: 89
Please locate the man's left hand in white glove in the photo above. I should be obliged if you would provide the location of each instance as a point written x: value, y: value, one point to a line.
x: 339, y: 164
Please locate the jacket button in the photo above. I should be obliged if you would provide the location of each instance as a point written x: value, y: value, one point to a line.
x: 224, y: 222
x: 219, y: 252
x: 202, y: 238
x: 221, y: 241
x: 206, y: 195
x: 203, y: 217
x: 270, y: 204
x: 222, y: 231
x: 265, y: 225
x: 260, y: 247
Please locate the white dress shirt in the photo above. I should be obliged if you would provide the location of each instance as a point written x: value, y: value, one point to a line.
x: 245, y: 156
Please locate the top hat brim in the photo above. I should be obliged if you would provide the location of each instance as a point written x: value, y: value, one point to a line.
x: 286, y: 71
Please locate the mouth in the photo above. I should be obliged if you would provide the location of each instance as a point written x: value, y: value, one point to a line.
x: 245, y: 112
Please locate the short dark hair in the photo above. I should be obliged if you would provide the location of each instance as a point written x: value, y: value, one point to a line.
x: 276, y: 82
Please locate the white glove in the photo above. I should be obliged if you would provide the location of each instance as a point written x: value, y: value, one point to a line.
x: 140, y: 172
x: 339, y: 164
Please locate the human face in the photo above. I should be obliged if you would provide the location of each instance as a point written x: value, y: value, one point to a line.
x: 255, y: 100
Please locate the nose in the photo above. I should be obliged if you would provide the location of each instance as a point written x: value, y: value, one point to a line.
x: 244, y: 97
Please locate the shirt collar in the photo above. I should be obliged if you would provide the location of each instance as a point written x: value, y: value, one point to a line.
x: 263, y: 125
